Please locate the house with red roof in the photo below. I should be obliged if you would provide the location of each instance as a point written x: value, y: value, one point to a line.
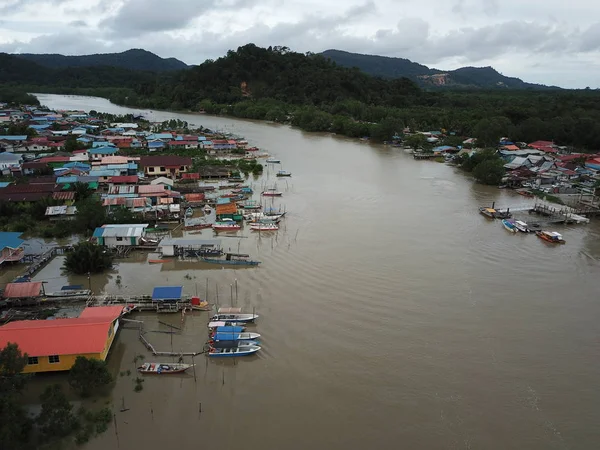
x: 54, y: 345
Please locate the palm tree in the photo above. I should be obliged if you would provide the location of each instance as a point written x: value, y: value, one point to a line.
x: 87, y: 257
x: 82, y: 191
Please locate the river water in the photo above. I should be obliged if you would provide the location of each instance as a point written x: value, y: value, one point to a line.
x: 393, y: 315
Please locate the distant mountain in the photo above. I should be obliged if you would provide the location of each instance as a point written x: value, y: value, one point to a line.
x: 134, y: 59
x: 465, y: 77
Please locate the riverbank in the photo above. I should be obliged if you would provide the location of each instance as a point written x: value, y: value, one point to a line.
x: 394, y: 250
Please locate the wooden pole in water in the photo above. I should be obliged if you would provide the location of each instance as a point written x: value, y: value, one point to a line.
x: 231, y: 293
x: 116, y: 430
x: 217, y: 289
x: 194, y: 367
x: 206, y: 298
x: 236, y: 291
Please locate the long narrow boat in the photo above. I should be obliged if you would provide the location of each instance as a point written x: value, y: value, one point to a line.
x: 223, y: 336
x: 232, y: 352
x: 157, y: 261
x: 273, y: 161
x: 226, y: 226
x: 264, y: 226
x: 550, y: 236
x: 229, y: 329
x: 163, y: 368
x: 509, y: 225
x: 522, y: 226
x: 271, y: 193
x: 69, y: 293
x: 222, y: 323
x: 232, y: 344
x: 235, y: 317
x: 232, y: 259
x: 283, y: 173
x: 488, y: 212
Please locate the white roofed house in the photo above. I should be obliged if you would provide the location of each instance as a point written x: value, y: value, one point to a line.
x: 121, y: 235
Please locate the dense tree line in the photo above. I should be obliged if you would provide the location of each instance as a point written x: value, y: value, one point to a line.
x: 313, y: 93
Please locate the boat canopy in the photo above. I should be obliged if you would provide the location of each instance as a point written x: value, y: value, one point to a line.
x: 215, y: 324
x: 226, y: 336
x: 229, y: 310
x: 225, y: 344
x: 229, y: 330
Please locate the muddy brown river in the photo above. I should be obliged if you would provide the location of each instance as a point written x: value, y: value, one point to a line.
x: 393, y: 315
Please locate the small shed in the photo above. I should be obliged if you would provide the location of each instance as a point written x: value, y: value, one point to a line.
x: 175, y: 246
x: 120, y: 234
x: 167, y: 293
x: 29, y: 290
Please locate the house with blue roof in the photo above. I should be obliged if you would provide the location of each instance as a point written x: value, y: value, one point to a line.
x: 102, y: 144
x: 97, y: 153
x: 11, y: 247
x: 155, y: 145
x: 160, y: 136
x: 18, y: 138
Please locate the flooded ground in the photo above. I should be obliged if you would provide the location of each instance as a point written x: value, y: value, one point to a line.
x: 393, y: 315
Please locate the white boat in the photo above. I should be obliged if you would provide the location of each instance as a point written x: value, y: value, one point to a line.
x: 264, y: 227
x: 521, y: 226
x: 232, y: 352
x: 258, y: 216
x: 272, y: 193
x: 242, y: 336
x: 235, y: 317
x: 207, y: 209
x: 221, y: 323
x: 273, y: 161
x: 232, y: 344
x: 70, y: 293
x: 163, y: 368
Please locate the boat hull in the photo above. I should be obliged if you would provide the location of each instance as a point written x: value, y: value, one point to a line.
x: 227, y: 353
x: 163, y: 368
x: 230, y: 263
x: 509, y: 226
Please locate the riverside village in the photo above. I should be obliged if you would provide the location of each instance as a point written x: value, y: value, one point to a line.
x: 82, y: 192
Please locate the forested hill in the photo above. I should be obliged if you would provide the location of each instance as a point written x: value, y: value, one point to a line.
x: 465, y: 77
x: 316, y: 94
x: 134, y: 59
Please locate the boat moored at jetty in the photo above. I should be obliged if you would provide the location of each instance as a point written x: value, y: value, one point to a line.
x: 550, y: 236
x: 283, y: 173
x: 509, y: 225
x: 488, y: 212
x: 163, y: 368
x: 272, y: 193
x: 232, y: 344
x: 228, y: 329
x: 264, y: 226
x: 244, y: 336
x: 233, y: 352
x: 521, y: 226
x: 226, y: 225
x: 232, y: 259
x: 235, y: 317
x: 273, y: 161
x: 222, y: 323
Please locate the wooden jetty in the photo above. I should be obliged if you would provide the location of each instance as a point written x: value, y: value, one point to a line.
x: 150, y: 347
x: 553, y: 215
x: 424, y: 155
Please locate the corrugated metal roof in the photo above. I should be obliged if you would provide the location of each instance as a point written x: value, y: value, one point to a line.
x: 132, y: 231
x: 22, y: 290
x: 230, y: 208
x: 167, y: 293
x: 190, y: 242
x: 82, y: 335
x: 151, y: 188
x: 65, y: 195
x: 113, y: 201
x: 61, y: 210
x: 10, y: 240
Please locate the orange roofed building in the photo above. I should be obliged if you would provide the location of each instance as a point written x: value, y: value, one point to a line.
x: 53, y: 345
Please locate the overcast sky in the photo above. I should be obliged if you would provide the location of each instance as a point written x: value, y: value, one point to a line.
x: 544, y: 41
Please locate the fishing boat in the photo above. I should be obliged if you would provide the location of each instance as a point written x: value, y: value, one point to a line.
x: 509, y: 225
x: 163, y: 368
x: 273, y: 161
x: 522, y: 226
x: 228, y: 225
x: 228, y: 329
x: 245, y: 336
x: 232, y: 352
x: 232, y: 259
x: 207, y: 209
x: 550, y: 236
x: 264, y: 226
x: 235, y: 317
x: 189, y: 212
x: 232, y: 344
x: 222, y: 323
x: 271, y: 193
x: 488, y: 212
x: 283, y: 173
x: 69, y: 293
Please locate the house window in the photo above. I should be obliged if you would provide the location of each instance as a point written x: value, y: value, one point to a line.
x: 53, y: 359
x: 119, y: 239
x: 182, y: 168
x: 32, y: 360
x: 150, y: 169
x: 162, y: 169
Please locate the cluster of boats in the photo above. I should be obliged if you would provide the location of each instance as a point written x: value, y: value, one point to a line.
x: 515, y: 226
x: 228, y: 336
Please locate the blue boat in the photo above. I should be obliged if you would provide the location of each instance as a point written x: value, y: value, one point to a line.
x: 233, y: 344
x: 226, y: 336
x: 233, y: 352
x: 232, y: 259
x: 229, y: 330
x: 509, y: 224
